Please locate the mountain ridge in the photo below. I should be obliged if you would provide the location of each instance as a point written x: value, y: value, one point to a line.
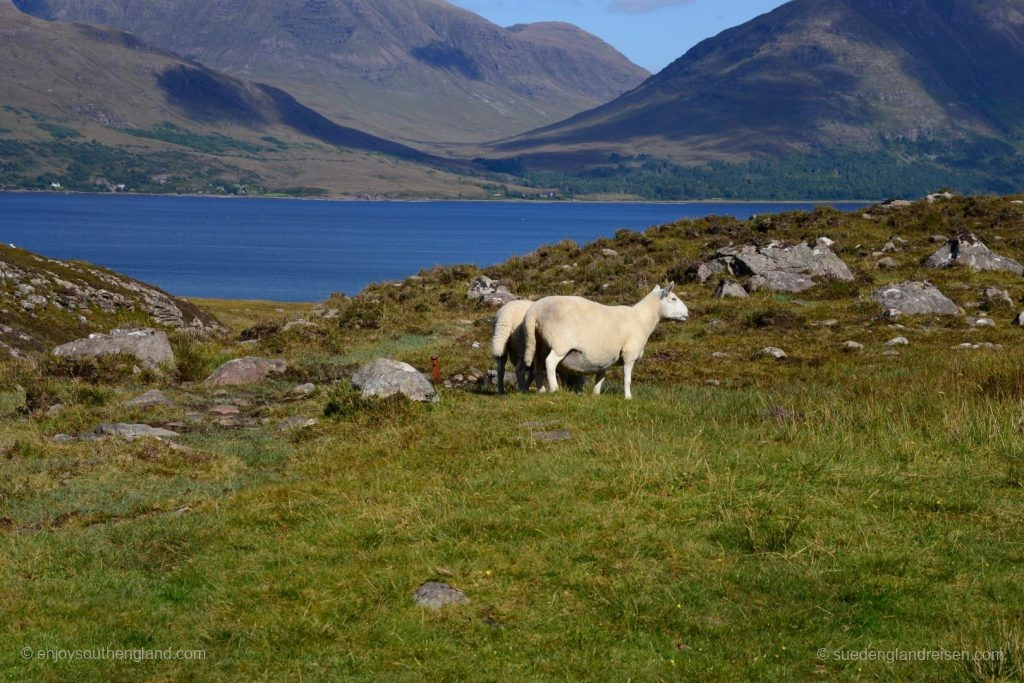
x: 421, y: 70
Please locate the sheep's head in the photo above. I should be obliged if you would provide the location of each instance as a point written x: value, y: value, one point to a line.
x: 672, y: 307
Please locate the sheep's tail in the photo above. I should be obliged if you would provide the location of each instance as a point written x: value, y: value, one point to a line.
x: 530, y: 336
x: 503, y: 328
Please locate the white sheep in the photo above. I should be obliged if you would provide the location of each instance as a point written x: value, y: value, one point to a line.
x: 587, y: 338
x: 509, y: 344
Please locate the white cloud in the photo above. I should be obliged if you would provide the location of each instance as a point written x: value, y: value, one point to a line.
x: 644, y: 6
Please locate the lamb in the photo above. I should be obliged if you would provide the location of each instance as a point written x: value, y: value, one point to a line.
x: 587, y: 338
x: 509, y: 344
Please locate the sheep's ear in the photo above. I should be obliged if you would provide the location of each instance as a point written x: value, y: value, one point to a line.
x: 665, y: 292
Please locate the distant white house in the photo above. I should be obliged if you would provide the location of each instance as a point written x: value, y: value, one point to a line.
x: 55, y: 185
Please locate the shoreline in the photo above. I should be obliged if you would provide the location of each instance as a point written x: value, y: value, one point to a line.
x: 438, y: 200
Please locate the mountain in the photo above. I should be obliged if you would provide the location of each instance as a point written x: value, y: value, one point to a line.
x: 813, y: 76
x: 93, y: 108
x: 423, y: 70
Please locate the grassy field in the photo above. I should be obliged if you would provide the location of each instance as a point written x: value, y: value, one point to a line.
x: 741, y: 519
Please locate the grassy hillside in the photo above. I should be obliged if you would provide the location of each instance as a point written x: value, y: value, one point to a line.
x: 738, y: 517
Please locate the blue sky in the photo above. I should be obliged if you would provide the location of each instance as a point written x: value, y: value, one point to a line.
x: 652, y: 33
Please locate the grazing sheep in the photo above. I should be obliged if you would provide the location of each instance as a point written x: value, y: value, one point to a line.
x: 587, y: 338
x: 509, y: 344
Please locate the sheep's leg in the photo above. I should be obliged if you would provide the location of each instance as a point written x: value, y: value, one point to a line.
x: 598, y: 382
x: 628, y: 380
x: 501, y: 372
x: 552, y: 362
x: 523, y: 377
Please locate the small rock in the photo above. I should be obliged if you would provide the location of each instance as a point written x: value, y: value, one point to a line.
x: 889, y: 247
x: 386, y: 377
x: 552, y: 436
x: 729, y: 289
x: 772, y: 352
x: 898, y: 341
x: 150, y: 399
x: 248, y: 370
x: 609, y: 252
x: 852, y: 346
x: 303, y: 389
x: 890, y: 354
x: 722, y: 355
x: 435, y: 595
x: 981, y: 322
x: 296, y: 422
x: 825, y: 242
x: 64, y: 439
x: 712, y: 383
x: 938, y: 239
x: 55, y: 409
x: 914, y: 298
x: 993, y: 296
x: 825, y: 323
x: 886, y: 263
x: 130, y: 432
x: 224, y: 410
x: 476, y: 345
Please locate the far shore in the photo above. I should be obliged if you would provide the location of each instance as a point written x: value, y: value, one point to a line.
x: 414, y: 200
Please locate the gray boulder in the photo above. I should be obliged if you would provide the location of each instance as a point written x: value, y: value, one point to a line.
x: 151, y: 347
x: 486, y: 290
x: 772, y: 352
x: 887, y: 263
x: 731, y: 290
x: 386, y: 377
x: 777, y: 267
x: 968, y: 250
x: 914, y: 298
x: 296, y: 422
x: 435, y: 595
x: 248, y: 370
x: 800, y: 259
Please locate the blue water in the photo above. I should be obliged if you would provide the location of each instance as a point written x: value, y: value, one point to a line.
x: 288, y: 250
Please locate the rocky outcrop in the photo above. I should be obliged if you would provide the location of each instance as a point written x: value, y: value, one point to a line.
x: 777, y: 266
x: 967, y: 250
x: 248, y: 370
x: 486, y: 290
x: 385, y: 377
x: 150, y: 347
x: 914, y: 298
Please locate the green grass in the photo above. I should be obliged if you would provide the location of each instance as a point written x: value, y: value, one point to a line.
x: 850, y: 502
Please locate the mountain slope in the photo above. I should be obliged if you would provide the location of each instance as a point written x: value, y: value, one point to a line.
x: 814, y: 73
x: 420, y: 69
x: 93, y: 107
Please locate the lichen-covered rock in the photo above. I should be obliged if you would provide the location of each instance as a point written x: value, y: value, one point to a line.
x: 248, y: 370
x: 129, y: 432
x: 777, y: 266
x: 386, y: 377
x: 967, y: 250
x: 914, y: 298
x: 150, y: 347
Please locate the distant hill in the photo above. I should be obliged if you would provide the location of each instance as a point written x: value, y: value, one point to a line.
x: 93, y: 108
x: 941, y: 81
x: 423, y: 70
